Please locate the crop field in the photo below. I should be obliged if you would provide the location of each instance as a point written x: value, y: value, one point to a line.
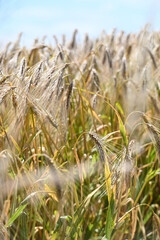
x: 79, y: 138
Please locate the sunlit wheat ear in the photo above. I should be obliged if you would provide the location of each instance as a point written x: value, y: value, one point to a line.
x: 145, y: 78
x: 69, y: 93
x: 4, y: 91
x: 120, y: 37
x: 94, y: 63
x: 99, y: 146
x: 129, y: 51
x: 28, y: 85
x: 128, y: 163
x: 36, y: 41
x: 60, y: 94
x: 84, y: 66
x: 14, y: 100
x: 112, y: 38
x: 104, y: 56
x: 91, y: 46
x: 22, y: 69
x: 18, y: 57
x: 94, y: 101
x: 52, y: 121
x: 56, y: 39
x: 124, y: 68
x: 157, y: 51
x: 5, y: 159
x: 50, y: 73
x: 109, y: 58
x: 86, y: 43
x: 154, y: 132
x: 16, y: 45
x: 38, y: 73
x: 61, y: 53
x: 155, y: 103
x: 94, y: 76
x: 88, y: 76
x: 127, y: 39
x: 6, y: 49
x: 54, y: 62
x: 43, y: 114
x: 73, y: 42
x: 152, y: 57
x: 60, y: 79
x: 86, y: 39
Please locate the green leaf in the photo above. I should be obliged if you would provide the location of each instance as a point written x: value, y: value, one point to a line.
x: 109, y: 224
x: 15, y: 144
x: 23, y: 226
x: 17, y: 213
x: 91, y: 228
x: 108, y: 180
x: 81, y: 210
x: 123, y: 131
x: 121, y: 125
x: 60, y: 222
x: 120, y: 108
x: 109, y: 220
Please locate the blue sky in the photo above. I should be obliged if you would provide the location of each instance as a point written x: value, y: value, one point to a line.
x: 36, y: 18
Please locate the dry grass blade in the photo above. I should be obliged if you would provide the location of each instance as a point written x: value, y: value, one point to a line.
x: 157, y: 224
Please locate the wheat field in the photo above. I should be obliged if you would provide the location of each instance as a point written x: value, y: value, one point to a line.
x: 79, y: 138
